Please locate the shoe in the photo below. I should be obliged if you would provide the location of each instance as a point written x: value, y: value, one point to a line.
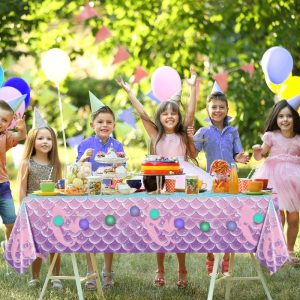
x: 33, y: 283
x: 209, y: 266
x: 56, y: 284
x: 3, y: 245
x: 159, y: 280
x: 90, y: 284
x: 182, y: 284
x: 293, y: 260
x: 106, y: 281
x: 225, y: 268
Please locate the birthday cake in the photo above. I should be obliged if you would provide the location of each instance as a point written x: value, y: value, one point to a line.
x: 161, y: 166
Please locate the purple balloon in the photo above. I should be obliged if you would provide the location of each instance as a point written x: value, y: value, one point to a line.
x: 277, y: 64
x: 21, y: 85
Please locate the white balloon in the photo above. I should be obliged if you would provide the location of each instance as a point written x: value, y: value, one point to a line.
x: 56, y: 64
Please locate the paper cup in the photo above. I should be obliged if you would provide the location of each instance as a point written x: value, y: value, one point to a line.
x: 243, y: 184
x: 170, y: 185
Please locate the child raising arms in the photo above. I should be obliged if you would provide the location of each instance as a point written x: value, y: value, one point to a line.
x: 218, y: 141
x: 281, y: 140
x: 40, y: 162
x: 168, y: 138
x: 7, y: 141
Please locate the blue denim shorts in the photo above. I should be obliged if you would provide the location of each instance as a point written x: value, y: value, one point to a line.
x: 7, y: 207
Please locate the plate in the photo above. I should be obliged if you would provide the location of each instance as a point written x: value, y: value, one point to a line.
x: 72, y: 194
x: 110, y: 161
x: 40, y: 193
x: 127, y: 191
x: 255, y: 193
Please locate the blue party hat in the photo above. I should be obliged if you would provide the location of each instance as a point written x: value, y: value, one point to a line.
x: 16, y: 103
x: 294, y: 102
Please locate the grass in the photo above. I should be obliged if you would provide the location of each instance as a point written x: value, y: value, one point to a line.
x: 135, y: 272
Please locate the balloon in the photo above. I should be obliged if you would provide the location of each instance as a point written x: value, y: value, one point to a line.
x: 277, y: 64
x: 8, y: 94
x: 56, y: 65
x: 290, y: 88
x: 275, y: 88
x: 165, y: 82
x: 1, y: 75
x: 21, y: 85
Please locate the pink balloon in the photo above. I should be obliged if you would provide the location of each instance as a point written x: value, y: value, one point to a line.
x: 165, y: 82
x: 8, y: 93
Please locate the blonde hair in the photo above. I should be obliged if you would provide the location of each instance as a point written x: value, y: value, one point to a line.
x: 29, y: 150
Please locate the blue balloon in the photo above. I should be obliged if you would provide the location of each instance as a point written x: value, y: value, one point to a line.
x: 277, y: 64
x: 21, y: 85
x: 1, y: 75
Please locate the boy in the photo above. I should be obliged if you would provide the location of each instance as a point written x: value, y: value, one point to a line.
x: 8, y: 140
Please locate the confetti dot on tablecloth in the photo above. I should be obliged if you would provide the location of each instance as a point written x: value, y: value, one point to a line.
x: 258, y: 218
x: 204, y: 226
x: 110, y: 220
x: 231, y: 225
x: 135, y: 211
x: 179, y: 223
x: 84, y: 224
x: 154, y: 214
x: 58, y: 221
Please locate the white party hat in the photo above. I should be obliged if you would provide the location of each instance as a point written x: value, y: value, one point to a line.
x: 96, y: 104
x: 38, y: 121
x: 216, y: 88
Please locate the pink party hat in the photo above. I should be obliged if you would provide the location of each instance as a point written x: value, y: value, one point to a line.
x: 294, y: 102
x: 216, y: 88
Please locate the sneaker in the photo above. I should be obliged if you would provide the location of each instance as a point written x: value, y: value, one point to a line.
x: 34, y: 283
x: 56, y: 284
x: 293, y: 260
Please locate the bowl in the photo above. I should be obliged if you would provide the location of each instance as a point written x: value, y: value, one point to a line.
x: 134, y: 183
x: 255, y: 186
x: 264, y: 181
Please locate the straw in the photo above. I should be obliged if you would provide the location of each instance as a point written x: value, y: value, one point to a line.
x: 50, y: 173
x: 251, y: 173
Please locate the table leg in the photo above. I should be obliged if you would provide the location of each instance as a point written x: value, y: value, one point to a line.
x: 77, y: 277
x: 213, y: 277
x: 48, y: 276
x: 95, y: 270
x: 228, y: 280
x: 261, y: 276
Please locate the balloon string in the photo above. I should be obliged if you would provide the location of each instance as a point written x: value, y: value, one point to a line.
x: 62, y: 126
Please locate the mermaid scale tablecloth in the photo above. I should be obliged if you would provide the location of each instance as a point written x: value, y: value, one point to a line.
x: 147, y: 223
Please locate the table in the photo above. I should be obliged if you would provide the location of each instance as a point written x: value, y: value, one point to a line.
x: 146, y: 223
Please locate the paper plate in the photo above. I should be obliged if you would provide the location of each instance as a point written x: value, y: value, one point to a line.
x: 254, y: 193
x: 40, y: 193
x: 127, y: 191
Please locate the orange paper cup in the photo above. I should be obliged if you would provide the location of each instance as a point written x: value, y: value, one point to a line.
x: 170, y: 185
x: 243, y: 184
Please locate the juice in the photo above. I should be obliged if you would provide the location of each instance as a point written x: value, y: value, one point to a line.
x: 233, y: 180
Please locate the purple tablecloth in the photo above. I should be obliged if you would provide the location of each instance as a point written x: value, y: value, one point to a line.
x: 147, y: 223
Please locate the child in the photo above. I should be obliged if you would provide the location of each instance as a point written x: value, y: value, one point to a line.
x: 219, y: 141
x: 40, y: 162
x: 168, y: 138
x: 8, y: 140
x: 281, y: 140
x: 103, y: 123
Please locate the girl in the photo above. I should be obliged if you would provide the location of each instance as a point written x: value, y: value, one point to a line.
x: 168, y: 138
x: 40, y: 162
x: 219, y: 141
x: 281, y: 140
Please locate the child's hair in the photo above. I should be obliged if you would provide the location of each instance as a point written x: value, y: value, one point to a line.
x: 29, y: 150
x: 103, y: 110
x: 162, y: 108
x: 217, y: 96
x: 5, y: 106
x: 271, y: 122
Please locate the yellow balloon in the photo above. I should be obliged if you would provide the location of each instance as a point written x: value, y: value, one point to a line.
x: 290, y: 88
x: 275, y: 88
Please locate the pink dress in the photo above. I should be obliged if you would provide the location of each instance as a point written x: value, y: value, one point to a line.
x: 282, y: 168
x: 171, y: 145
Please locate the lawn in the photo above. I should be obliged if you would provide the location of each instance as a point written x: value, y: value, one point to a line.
x: 135, y: 272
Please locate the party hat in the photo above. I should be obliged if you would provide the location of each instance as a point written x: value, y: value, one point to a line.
x: 216, y: 88
x: 38, y: 121
x: 294, y: 102
x: 95, y: 102
x: 16, y: 103
x: 176, y: 97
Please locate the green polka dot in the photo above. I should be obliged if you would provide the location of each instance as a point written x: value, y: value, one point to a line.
x: 258, y: 218
x: 204, y: 226
x: 110, y: 220
x: 154, y: 214
x: 58, y: 221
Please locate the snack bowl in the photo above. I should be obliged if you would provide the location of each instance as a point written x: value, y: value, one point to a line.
x: 134, y: 183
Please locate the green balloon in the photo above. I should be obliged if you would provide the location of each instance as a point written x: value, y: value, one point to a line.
x: 58, y: 221
x: 204, y: 226
x: 154, y: 214
x: 258, y: 218
x: 110, y: 220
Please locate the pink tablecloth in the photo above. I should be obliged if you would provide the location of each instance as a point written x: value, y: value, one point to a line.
x: 147, y: 223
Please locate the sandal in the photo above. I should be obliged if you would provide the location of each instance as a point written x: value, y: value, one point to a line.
x: 90, y: 284
x: 209, y: 266
x: 292, y: 259
x: 107, y: 279
x: 225, y: 268
x: 182, y: 283
x: 56, y: 284
x: 159, y: 280
x: 33, y: 283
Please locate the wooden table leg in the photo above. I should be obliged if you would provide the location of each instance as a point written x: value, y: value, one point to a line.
x: 77, y: 277
x: 228, y: 280
x: 213, y: 277
x: 96, y: 272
